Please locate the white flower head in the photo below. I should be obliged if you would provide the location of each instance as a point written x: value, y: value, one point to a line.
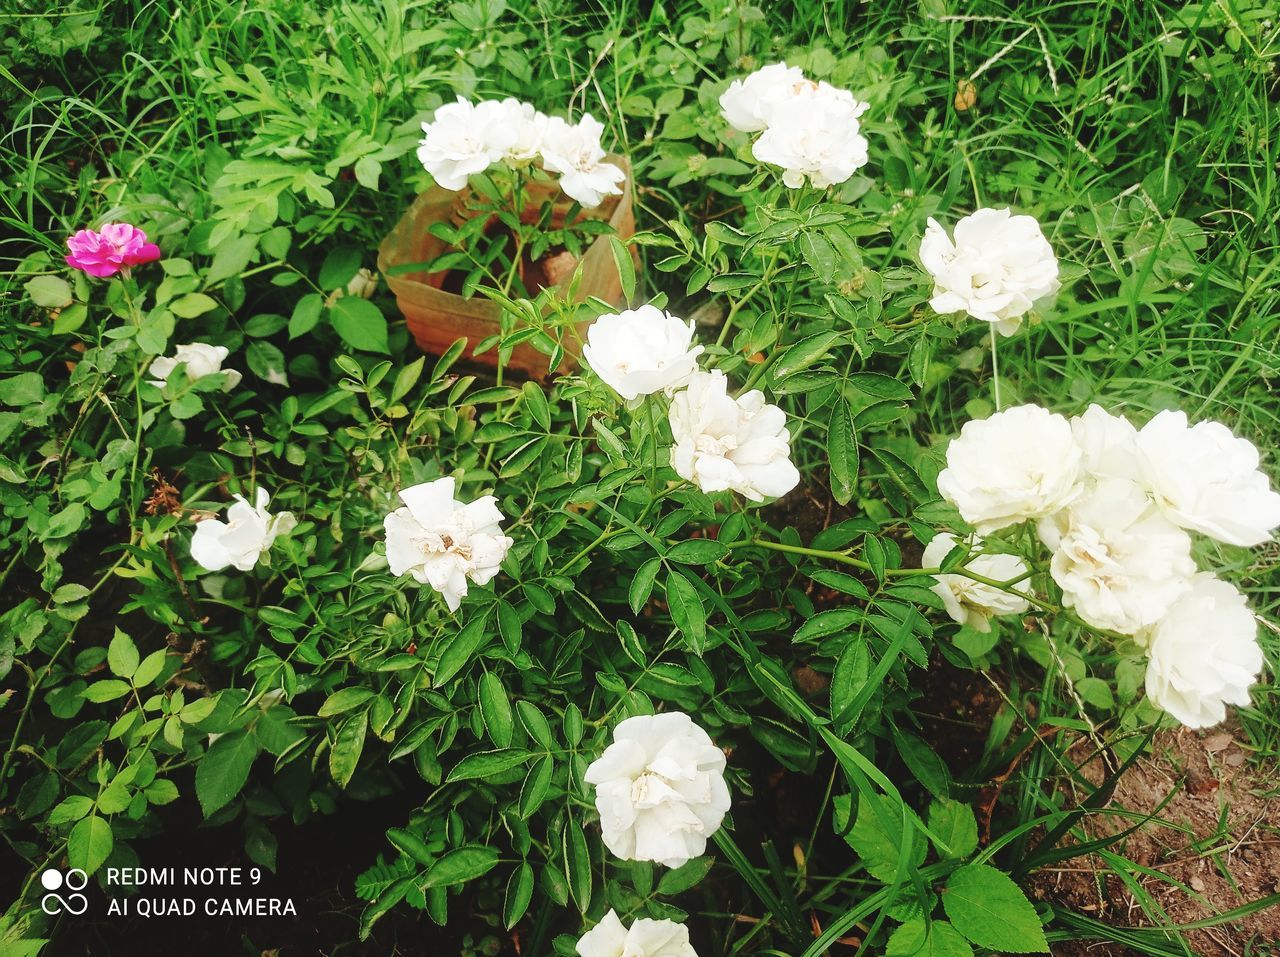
x: 1108, y: 442
x: 998, y: 267
x: 1207, y: 479
x: 642, y: 351
x: 1119, y: 562
x: 443, y: 543
x: 645, y: 938
x: 815, y: 135
x: 1017, y: 464
x: 200, y: 359
x: 465, y: 138
x: 1203, y: 654
x: 246, y: 535
x: 749, y: 102
x: 725, y: 443
x: 660, y: 789
x: 971, y: 602
x: 527, y: 128
x: 573, y: 152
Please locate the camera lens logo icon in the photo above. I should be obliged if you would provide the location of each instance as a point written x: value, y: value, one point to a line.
x: 74, y: 881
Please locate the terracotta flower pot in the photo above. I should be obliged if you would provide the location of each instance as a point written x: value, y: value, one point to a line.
x: 438, y: 317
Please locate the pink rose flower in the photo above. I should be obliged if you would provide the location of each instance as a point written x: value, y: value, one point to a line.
x: 118, y: 246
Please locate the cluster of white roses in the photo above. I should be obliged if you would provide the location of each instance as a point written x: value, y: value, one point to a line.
x: 1114, y: 504
x: 433, y: 537
x: 661, y: 794
x: 466, y: 138
x: 721, y: 442
x: 996, y: 269
x: 811, y: 130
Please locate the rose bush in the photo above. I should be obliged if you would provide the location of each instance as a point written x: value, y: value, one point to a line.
x: 649, y: 641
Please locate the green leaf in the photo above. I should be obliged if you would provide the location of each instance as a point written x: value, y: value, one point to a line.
x: 22, y: 389
x: 486, y: 763
x: 150, y: 668
x: 519, y: 894
x: 306, y: 313
x: 192, y: 304
x: 842, y: 452
x: 51, y: 292
x: 879, y: 386
x: 106, y: 690
x: 535, y: 400
x: 462, y: 650
x: 687, y: 610
x: 928, y: 768
x: 803, y: 354
x: 697, y: 551
x: 339, y: 268
x: 853, y: 667
x: 880, y: 833
x: 266, y: 361
x: 495, y: 708
x: 122, y: 655
x: 458, y: 867
x: 70, y: 319
x: 407, y: 378
x: 642, y: 584
x: 819, y: 254
x: 987, y: 907
x: 577, y: 863
x: 686, y: 875
x: 344, y: 757
x: 937, y: 938
x: 71, y: 809
x: 360, y: 324
x: 535, y: 722
x: 343, y: 700
x: 231, y: 259
x: 411, y: 846
x: 954, y: 824
x: 626, y: 267
x: 537, y: 784
x: 90, y: 844
x: 223, y: 771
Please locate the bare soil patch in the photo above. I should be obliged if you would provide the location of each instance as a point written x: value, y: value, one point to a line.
x: 1215, y: 846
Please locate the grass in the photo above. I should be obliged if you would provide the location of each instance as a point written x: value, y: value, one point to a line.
x: 1145, y: 135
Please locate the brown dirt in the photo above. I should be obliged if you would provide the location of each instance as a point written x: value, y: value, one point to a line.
x: 1218, y: 839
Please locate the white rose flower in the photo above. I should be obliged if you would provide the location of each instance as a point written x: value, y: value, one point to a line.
x: 725, y: 443
x: 660, y: 789
x: 463, y: 139
x: 642, y: 351
x: 1119, y: 562
x: 749, y: 102
x: 967, y: 601
x: 1203, y: 654
x: 575, y: 154
x: 442, y: 543
x: 644, y: 938
x: 815, y: 134
x: 1109, y: 444
x: 200, y: 358
x: 528, y: 129
x: 246, y: 535
x: 1018, y: 464
x: 1207, y: 479
x: 997, y: 268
